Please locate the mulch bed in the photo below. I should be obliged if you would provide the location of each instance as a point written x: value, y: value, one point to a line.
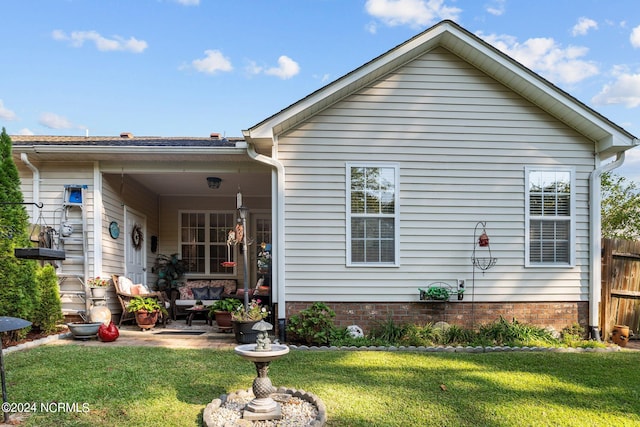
x: 9, y: 338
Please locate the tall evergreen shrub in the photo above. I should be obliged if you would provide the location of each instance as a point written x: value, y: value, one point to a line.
x: 48, y: 311
x: 18, y: 290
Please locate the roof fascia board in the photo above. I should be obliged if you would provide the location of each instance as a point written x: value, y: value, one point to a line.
x: 461, y: 42
x: 345, y: 85
x: 616, y: 136
x: 54, y: 149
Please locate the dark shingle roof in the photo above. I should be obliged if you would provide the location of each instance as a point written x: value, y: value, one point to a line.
x: 117, y: 141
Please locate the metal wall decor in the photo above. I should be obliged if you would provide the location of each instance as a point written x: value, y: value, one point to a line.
x: 137, y: 237
x: 114, y: 230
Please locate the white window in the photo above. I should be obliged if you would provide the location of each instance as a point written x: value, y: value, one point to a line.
x: 203, y: 241
x: 372, y: 215
x: 550, y: 216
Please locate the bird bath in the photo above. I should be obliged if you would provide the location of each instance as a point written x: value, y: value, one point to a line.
x: 265, y: 405
x: 262, y: 353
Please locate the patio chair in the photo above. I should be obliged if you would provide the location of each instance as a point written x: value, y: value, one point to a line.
x: 126, y: 291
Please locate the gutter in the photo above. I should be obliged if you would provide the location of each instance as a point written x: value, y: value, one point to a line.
x: 35, y: 184
x: 595, y: 245
x: 277, y: 205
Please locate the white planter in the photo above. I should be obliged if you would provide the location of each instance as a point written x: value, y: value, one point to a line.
x: 100, y: 292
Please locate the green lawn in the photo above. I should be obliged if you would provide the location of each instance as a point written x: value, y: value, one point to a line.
x: 143, y: 386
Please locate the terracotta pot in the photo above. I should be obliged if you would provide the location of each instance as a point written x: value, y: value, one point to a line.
x: 620, y: 335
x: 223, y: 320
x: 146, y: 319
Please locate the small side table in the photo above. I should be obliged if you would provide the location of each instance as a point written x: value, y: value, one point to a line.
x: 198, y: 312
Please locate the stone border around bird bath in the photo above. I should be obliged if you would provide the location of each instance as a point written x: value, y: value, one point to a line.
x: 211, y: 416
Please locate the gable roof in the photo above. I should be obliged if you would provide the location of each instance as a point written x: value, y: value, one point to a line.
x: 608, y: 137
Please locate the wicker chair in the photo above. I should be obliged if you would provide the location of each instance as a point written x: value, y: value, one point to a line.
x: 125, y: 298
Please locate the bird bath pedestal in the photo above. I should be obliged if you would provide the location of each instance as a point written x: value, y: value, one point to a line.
x: 263, y: 407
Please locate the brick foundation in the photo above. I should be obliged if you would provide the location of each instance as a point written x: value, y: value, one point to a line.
x: 557, y: 315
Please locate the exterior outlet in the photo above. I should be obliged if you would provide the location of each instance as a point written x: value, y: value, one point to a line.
x: 460, y: 289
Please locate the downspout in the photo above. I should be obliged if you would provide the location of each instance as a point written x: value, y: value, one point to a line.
x: 595, y: 231
x: 277, y: 205
x: 35, y: 183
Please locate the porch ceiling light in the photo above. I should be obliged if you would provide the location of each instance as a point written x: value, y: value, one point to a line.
x: 213, y: 182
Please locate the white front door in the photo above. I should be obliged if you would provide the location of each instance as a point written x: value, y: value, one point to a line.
x: 135, y: 248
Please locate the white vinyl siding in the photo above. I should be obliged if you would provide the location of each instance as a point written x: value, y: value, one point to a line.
x: 372, y: 206
x: 549, y: 216
x: 461, y: 142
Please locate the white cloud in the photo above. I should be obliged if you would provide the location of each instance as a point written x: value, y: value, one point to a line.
x: 54, y: 121
x: 583, y: 26
x: 6, y: 114
x: 414, y: 13
x: 188, y: 2
x: 286, y: 68
x: 624, y: 90
x: 635, y: 37
x: 213, y: 62
x: 117, y: 43
x: 371, y: 27
x: 253, y: 68
x: 545, y: 56
x: 25, y: 131
x: 496, y: 7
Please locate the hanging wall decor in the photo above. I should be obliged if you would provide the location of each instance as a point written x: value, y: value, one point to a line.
x: 136, y: 236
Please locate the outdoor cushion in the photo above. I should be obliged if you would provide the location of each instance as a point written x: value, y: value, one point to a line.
x: 215, y: 292
x: 200, y: 293
x: 125, y: 284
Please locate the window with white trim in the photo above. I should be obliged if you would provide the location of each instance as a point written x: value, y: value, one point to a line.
x: 550, y: 216
x: 203, y: 241
x: 372, y: 215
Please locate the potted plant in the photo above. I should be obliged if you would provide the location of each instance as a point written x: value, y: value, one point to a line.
x: 98, y: 286
x: 170, y: 270
x: 221, y: 310
x: 243, y: 320
x: 147, y: 310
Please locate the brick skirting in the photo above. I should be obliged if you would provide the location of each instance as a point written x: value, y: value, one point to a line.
x: 543, y: 314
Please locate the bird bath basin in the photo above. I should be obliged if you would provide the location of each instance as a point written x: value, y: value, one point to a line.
x: 249, y: 352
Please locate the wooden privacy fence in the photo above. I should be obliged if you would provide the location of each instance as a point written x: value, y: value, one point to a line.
x: 620, y: 300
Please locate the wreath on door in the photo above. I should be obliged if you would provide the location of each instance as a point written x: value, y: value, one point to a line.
x: 137, y: 237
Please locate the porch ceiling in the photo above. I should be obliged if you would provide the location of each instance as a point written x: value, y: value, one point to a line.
x: 252, y: 184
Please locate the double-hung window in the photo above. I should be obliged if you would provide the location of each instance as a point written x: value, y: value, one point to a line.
x: 550, y: 216
x: 203, y: 241
x: 372, y: 215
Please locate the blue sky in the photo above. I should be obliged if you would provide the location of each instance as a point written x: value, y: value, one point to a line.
x: 192, y: 67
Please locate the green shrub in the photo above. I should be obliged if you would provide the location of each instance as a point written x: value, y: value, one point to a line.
x: 48, y: 311
x: 312, y: 326
x: 388, y: 331
x: 18, y: 293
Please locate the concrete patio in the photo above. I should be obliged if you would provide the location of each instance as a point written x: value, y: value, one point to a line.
x: 176, y: 334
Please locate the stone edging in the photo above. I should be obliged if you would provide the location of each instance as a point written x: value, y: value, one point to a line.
x: 460, y: 349
x: 36, y: 343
